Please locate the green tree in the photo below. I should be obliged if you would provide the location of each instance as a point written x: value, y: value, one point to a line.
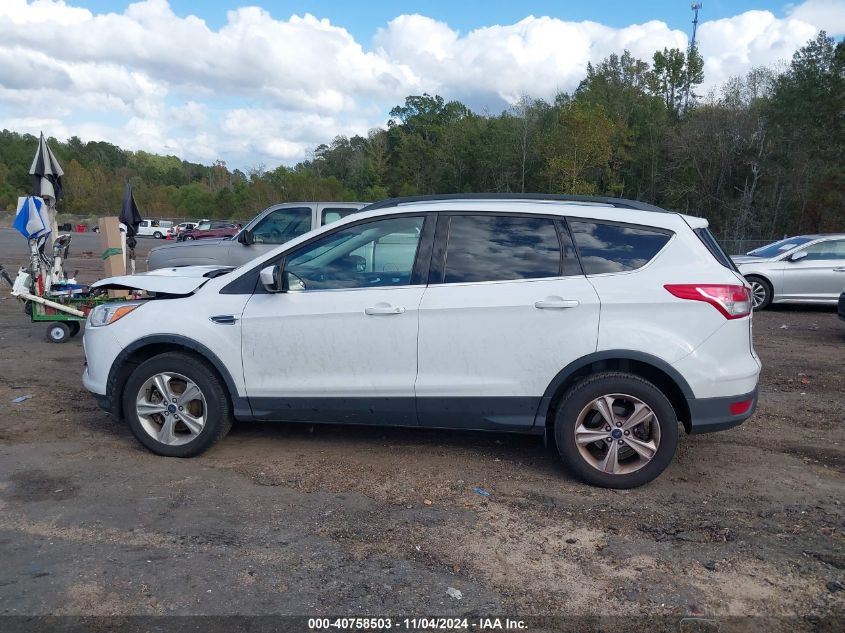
x: 579, y: 153
x: 806, y: 110
x: 674, y: 75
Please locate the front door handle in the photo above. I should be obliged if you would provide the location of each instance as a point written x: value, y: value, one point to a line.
x: 841, y: 269
x: 383, y: 308
x: 556, y: 303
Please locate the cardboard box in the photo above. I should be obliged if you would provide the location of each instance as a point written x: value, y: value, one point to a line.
x: 113, y: 243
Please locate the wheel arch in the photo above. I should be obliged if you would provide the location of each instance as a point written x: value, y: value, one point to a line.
x: 655, y: 370
x: 760, y: 275
x: 145, y: 348
x: 767, y: 280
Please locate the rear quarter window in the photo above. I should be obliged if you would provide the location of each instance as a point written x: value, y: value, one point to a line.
x: 716, y: 251
x: 606, y: 247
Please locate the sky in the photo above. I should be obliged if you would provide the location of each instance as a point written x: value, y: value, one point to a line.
x: 261, y: 82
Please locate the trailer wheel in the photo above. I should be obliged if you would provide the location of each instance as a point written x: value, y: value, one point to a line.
x: 58, y: 332
x: 74, y: 327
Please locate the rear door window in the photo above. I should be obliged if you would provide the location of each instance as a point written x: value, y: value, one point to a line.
x: 333, y: 214
x: 606, y: 247
x: 501, y: 248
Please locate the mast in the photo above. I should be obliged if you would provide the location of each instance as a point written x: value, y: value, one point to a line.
x: 695, y: 7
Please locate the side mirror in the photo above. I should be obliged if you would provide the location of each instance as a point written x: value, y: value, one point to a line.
x: 271, y: 278
x: 275, y: 279
x: 246, y: 237
x: 797, y: 256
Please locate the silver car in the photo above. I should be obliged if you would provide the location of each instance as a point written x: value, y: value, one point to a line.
x: 801, y: 269
x: 275, y: 225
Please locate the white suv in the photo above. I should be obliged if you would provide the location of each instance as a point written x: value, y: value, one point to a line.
x: 601, y: 322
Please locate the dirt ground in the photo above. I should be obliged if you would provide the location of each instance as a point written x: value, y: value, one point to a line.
x: 295, y: 519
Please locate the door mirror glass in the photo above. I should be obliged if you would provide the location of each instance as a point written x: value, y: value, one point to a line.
x: 246, y: 237
x: 271, y: 278
x: 797, y: 256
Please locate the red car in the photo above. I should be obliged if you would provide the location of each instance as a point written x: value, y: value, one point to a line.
x: 208, y: 229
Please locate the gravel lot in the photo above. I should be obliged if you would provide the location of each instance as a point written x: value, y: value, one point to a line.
x: 295, y: 519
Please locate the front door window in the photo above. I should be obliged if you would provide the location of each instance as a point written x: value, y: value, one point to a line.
x: 369, y: 255
x: 282, y: 225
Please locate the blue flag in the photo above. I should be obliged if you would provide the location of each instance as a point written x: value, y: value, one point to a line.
x: 32, y: 219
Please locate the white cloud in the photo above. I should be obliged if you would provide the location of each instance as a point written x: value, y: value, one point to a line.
x: 540, y: 56
x: 266, y: 90
x: 731, y: 46
x: 827, y: 15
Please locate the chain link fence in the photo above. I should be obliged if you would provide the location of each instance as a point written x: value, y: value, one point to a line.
x: 741, y: 247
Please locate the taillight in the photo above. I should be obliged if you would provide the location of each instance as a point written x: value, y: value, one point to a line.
x: 733, y: 302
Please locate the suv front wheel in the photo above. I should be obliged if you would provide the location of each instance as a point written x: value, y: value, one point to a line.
x: 176, y: 405
x: 616, y: 430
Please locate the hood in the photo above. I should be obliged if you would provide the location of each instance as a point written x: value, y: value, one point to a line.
x: 172, y: 281
x: 190, y: 243
x: 747, y: 259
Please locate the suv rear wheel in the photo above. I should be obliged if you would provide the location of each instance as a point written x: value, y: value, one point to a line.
x: 616, y: 430
x: 176, y: 405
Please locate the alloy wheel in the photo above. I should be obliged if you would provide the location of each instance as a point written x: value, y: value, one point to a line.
x: 758, y: 293
x: 171, y: 408
x: 617, y: 434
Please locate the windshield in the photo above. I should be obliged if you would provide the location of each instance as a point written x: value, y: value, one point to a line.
x: 779, y: 248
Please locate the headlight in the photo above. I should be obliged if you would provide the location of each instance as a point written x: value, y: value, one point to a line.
x: 108, y: 313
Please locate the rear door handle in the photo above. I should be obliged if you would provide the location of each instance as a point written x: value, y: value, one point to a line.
x: 556, y: 303
x: 383, y: 308
x: 841, y: 269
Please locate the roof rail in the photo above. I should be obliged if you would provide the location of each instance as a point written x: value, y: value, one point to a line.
x: 621, y: 203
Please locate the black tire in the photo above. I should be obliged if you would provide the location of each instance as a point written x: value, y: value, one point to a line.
x: 187, y: 238
x: 218, y: 411
x: 578, y: 397
x: 763, y: 286
x: 58, y: 332
x: 157, y: 235
x: 75, y: 327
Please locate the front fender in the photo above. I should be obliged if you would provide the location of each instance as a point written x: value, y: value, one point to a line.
x: 118, y: 372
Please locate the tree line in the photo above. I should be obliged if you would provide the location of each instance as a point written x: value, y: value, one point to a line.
x: 761, y: 157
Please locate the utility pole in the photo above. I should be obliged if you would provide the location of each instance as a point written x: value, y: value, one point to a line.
x: 695, y: 7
